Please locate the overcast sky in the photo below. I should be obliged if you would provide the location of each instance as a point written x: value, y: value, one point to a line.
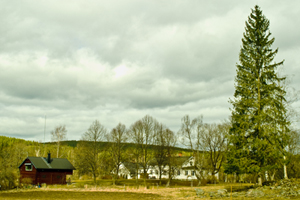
x: 117, y: 61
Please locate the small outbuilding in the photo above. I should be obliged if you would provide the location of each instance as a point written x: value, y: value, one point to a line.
x: 48, y: 170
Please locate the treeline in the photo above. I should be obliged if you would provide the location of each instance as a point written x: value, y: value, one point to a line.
x: 99, y: 152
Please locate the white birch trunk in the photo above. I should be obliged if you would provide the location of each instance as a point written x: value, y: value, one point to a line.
x: 284, y: 169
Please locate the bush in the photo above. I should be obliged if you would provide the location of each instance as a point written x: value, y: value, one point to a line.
x: 8, y: 178
x: 84, y: 177
x: 26, y: 181
x: 106, y: 177
x: 268, y: 183
x: 203, y: 182
x: 211, y: 180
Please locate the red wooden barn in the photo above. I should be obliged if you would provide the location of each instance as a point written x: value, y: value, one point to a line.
x: 46, y: 170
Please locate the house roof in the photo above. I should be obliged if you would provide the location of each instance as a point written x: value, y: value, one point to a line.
x: 56, y: 163
x: 179, y: 161
x: 131, y: 167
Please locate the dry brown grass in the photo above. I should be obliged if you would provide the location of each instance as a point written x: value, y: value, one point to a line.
x: 116, y: 192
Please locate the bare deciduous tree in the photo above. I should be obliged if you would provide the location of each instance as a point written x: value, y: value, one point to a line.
x: 117, y: 137
x: 190, y: 135
x: 136, y: 136
x: 141, y: 133
x: 212, y: 140
x: 160, y: 148
x: 170, y: 142
x: 91, y: 146
x: 59, y: 134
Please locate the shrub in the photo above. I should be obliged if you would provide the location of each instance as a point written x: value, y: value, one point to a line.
x: 106, y: 177
x: 211, y: 179
x: 8, y: 178
x: 203, y: 182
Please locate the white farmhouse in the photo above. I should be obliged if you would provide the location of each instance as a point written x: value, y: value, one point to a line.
x: 183, y: 169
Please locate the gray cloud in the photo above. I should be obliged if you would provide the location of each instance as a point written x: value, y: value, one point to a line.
x: 117, y: 61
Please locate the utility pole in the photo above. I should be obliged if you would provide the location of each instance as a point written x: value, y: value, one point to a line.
x: 45, y: 130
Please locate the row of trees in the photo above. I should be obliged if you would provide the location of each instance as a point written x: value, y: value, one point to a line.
x: 100, y: 152
x: 153, y: 142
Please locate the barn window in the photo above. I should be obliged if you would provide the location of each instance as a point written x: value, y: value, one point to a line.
x: 43, y: 176
x: 28, y: 167
x: 58, y: 177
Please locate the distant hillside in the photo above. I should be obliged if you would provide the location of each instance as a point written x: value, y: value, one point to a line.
x: 73, y: 143
x: 4, y: 140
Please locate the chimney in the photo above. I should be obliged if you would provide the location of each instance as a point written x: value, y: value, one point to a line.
x: 49, y: 158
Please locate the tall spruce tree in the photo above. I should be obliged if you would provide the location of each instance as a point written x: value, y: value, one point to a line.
x: 259, y: 125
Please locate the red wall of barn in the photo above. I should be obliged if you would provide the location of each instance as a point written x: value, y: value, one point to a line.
x: 51, y: 177
x: 28, y: 174
x: 44, y: 176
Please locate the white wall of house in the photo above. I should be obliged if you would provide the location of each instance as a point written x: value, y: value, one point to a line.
x: 185, y: 172
x: 124, y: 172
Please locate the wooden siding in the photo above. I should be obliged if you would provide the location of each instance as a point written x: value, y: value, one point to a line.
x: 28, y: 174
x: 47, y: 176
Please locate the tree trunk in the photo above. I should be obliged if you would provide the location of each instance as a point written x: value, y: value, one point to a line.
x: 160, y: 172
x: 259, y: 180
x: 114, y: 180
x: 95, y: 178
x: 57, y: 149
x: 145, y: 176
x: 285, y: 169
x: 273, y: 176
x: 136, y: 178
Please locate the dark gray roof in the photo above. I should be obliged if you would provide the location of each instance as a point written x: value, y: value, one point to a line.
x: 131, y: 167
x: 179, y: 161
x: 56, y: 163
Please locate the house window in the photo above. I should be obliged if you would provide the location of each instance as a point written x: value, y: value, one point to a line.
x: 193, y: 173
x: 186, y: 172
x: 156, y: 172
x: 191, y: 163
x: 178, y: 172
x: 151, y: 172
x: 28, y: 167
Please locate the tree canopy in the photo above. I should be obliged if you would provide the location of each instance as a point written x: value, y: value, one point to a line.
x: 259, y: 124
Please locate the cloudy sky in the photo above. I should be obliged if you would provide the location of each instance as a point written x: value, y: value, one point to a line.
x: 117, y: 61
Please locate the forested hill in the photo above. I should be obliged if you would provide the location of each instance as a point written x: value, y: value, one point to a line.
x: 73, y: 143
x: 11, y: 141
x: 8, y: 141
